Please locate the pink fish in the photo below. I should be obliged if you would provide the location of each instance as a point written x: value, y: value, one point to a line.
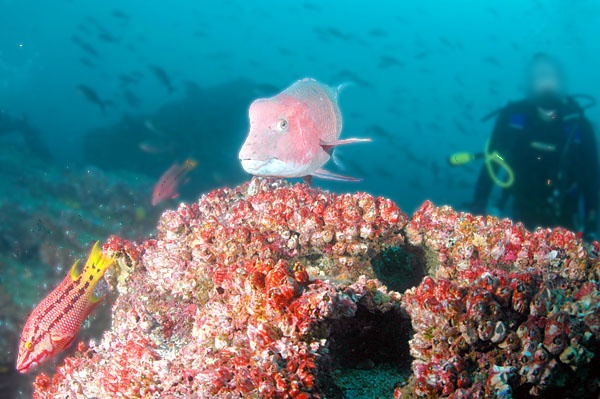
x: 169, y: 182
x: 294, y: 133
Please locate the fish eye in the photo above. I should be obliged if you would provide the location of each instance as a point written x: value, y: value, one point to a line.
x: 29, y: 346
x: 282, y: 125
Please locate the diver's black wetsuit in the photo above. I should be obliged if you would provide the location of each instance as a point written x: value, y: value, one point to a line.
x: 555, y: 165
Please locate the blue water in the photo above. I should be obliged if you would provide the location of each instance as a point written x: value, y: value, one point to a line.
x: 459, y: 60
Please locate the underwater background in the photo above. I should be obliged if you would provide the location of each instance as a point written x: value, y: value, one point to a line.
x: 116, y: 92
x: 424, y: 73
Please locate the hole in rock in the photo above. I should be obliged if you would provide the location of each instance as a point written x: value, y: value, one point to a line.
x: 369, y: 354
x: 400, y: 267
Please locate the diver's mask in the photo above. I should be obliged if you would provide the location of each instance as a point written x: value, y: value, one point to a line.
x: 548, y: 100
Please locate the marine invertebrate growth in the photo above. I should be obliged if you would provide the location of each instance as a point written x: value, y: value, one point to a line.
x: 265, y: 289
x: 238, y: 296
x: 506, y: 311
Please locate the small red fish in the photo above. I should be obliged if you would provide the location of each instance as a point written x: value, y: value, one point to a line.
x: 54, y: 323
x: 169, y: 182
x: 294, y: 133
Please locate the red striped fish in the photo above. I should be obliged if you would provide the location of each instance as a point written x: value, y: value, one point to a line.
x: 54, y: 323
x: 294, y: 133
x: 168, y: 184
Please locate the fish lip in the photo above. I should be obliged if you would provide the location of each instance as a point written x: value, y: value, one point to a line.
x: 274, y: 167
x: 254, y: 166
x: 258, y: 160
x: 23, y: 367
x: 265, y: 167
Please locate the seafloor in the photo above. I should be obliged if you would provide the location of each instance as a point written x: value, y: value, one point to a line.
x: 272, y: 290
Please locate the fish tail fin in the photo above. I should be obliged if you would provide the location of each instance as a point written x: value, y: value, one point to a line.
x: 95, y: 267
x: 97, y: 260
x: 333, y: 154
x: 190, y: 163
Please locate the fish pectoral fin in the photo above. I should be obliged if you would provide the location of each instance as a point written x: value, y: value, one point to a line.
x: 324, y: 174
x: 328, y: 145
x: 61, y: 340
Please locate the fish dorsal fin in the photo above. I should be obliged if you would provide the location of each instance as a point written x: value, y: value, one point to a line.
x: 324, y: 174
x: 76, y: 270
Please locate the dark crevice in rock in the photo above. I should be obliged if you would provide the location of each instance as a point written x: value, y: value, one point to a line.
x: 400, y: 267
x: 364, y: 344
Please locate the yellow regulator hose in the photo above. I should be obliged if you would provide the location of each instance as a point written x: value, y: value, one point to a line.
x: 495, y: 158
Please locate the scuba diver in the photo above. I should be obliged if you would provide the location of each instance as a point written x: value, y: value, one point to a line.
x: 31, y: 136
x: 547, y: 148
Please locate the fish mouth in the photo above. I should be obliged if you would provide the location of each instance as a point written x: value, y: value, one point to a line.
x: 268, y: 167
x: 24, y: 367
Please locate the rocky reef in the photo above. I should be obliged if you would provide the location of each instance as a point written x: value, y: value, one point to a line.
x: 243, y: 295
x: 269, y: 290
x: 505, y: 312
